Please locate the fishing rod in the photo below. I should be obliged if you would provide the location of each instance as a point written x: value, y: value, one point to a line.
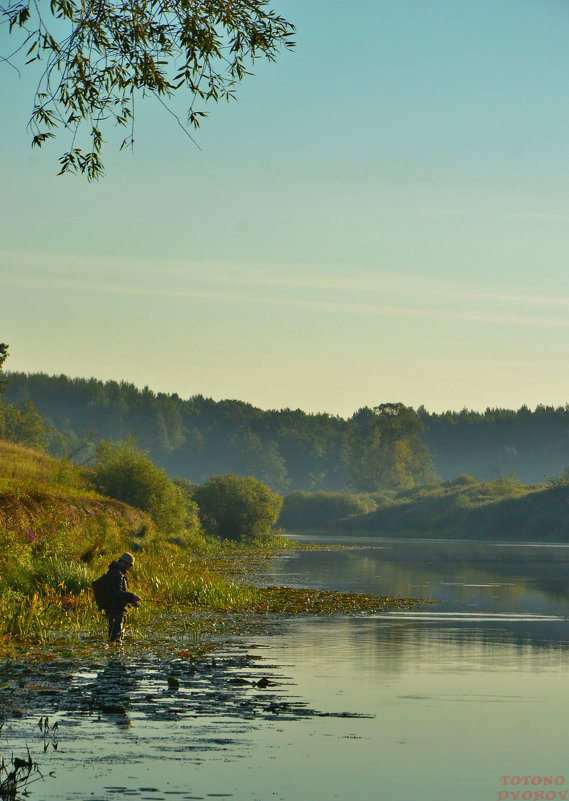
x: 153, y: 601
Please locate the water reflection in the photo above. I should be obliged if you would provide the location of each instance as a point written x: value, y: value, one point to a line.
x: 111, y: 691
x: 441, y: 700
x: 354, y: 647
x: 132, y: 712
x: 468, y: 576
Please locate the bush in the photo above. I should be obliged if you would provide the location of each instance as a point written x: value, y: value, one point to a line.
x: 313, y: 509
x: 560, y: 481
x: 237, y: 508
x: 122, y: 471
x: 22, y: 423
x: 462, y: 480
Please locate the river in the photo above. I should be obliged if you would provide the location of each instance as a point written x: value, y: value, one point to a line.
x: 465, y: 699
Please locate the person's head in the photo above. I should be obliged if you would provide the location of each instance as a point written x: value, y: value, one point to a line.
x: 125, y: 561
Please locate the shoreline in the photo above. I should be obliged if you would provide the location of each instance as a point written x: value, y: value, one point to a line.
x: 202, y: 628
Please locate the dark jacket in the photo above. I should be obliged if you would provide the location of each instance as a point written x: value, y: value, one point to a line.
x: 117, y: 586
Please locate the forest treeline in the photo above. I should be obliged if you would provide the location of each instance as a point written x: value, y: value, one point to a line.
x: 391, y: 446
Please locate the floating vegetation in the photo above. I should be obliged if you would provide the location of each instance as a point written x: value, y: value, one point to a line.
x: 233, y: 684
x: 293, y: 601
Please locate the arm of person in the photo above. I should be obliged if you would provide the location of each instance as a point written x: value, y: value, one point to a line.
x: 118, y: 595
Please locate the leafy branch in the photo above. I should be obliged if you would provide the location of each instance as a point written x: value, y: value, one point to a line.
x: 99, y: 54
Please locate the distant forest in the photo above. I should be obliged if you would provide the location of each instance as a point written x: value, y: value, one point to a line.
x: 291, y: 450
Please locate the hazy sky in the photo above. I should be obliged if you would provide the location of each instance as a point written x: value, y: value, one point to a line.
x: 383, y: 216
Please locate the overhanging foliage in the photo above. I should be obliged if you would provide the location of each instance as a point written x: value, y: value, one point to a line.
x: 99, y: 55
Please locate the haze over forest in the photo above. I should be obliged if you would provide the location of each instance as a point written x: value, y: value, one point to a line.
x: 291, y: 450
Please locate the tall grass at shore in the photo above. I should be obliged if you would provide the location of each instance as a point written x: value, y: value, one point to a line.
x: 182, y: 578
x: 54, y: 594
x: 57, y: 534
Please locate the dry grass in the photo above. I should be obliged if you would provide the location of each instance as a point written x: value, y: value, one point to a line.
x: 19, y: 464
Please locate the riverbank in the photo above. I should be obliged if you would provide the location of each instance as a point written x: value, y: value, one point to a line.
x: 294, y: 707
x: 193, y: 603
x: 499, y: 510
x: 57, y: 534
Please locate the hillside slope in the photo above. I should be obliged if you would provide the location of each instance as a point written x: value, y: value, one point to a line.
x: 47, y: 508
x: 464, y: 508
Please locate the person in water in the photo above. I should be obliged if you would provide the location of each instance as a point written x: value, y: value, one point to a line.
x: 119, y: 597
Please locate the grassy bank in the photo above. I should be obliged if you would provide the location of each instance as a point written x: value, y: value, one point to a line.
x: 57, y: 534
x: 49, y: 511
x: 503, y: 509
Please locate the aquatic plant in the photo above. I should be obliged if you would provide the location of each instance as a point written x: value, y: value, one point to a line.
x: 18, y: 775
x: 293, y: 601
x: 31, y: 617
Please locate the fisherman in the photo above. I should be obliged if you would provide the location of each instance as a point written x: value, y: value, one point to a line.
x: 118, y: 596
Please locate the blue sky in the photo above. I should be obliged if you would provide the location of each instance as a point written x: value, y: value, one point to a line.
x: 383, y: 216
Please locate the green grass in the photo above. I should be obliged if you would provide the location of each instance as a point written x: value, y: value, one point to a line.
x: 53, y: 594
x: 57, y: 535
x: 22, y: 467
x: 503, y: 509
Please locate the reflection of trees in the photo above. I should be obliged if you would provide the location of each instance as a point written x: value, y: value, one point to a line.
x: 393, y: 647
x: 521, y: 574
x: 521, y: 579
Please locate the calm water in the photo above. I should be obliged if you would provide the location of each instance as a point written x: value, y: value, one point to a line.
x: 433, y: 704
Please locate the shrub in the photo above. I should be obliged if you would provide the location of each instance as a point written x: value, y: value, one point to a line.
x: 23, y: 423
x: 237, y: 508
x: 462, y: 480
x: 313, y: 509
x: 559, y: 481
x: 122, y: 471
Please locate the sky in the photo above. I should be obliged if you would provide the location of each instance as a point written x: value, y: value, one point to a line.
x: 383, y: 216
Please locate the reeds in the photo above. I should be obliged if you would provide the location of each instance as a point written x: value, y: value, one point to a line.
x: 53, y: 594
x: 16, y: 776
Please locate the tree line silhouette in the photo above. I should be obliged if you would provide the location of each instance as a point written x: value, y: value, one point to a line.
x: 389, y: 446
